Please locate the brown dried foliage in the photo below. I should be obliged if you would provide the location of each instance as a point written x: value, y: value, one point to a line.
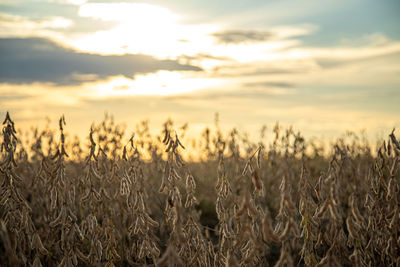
x: 238, y: 204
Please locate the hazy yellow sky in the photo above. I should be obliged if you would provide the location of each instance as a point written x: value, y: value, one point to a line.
x: 322, y: 66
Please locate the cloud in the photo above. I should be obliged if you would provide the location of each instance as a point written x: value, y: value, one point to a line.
x: 242, y: 36
x: 55, y: 21
x: 269, y: 84
x: 125, y: 12
x: 262, y: 69
x: 40, y: 60
x: 17, y: 26
x: 239, y: 92
x: 76, y: 2
x: 339, y: 62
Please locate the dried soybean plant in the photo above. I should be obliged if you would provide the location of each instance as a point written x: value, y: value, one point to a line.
x: 61, y: 205
x: 143, y: 241
x: 225, y: 251
x: 92, y: 199
x: 17, y: 231
x: 64, y: 220
x: 250, y: 214
x: 187, y: 244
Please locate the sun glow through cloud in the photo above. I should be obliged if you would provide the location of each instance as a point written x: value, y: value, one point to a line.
x: 157, y: 31
x: 150, y: 30
x: 144, y: 29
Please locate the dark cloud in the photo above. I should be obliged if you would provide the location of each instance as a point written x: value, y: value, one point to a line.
x: 328, y: 63
x: 268, y: 85
x: 201, y: 56
x: 41, y: 60
x: 241, y: 36
x: 259, y: 69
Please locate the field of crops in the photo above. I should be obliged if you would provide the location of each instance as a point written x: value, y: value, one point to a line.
x: 120, y: 200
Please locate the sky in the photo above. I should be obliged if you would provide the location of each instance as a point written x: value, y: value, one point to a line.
x: 322, y: 66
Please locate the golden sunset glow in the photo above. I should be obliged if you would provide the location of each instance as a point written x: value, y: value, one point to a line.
x: 162, y: 83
